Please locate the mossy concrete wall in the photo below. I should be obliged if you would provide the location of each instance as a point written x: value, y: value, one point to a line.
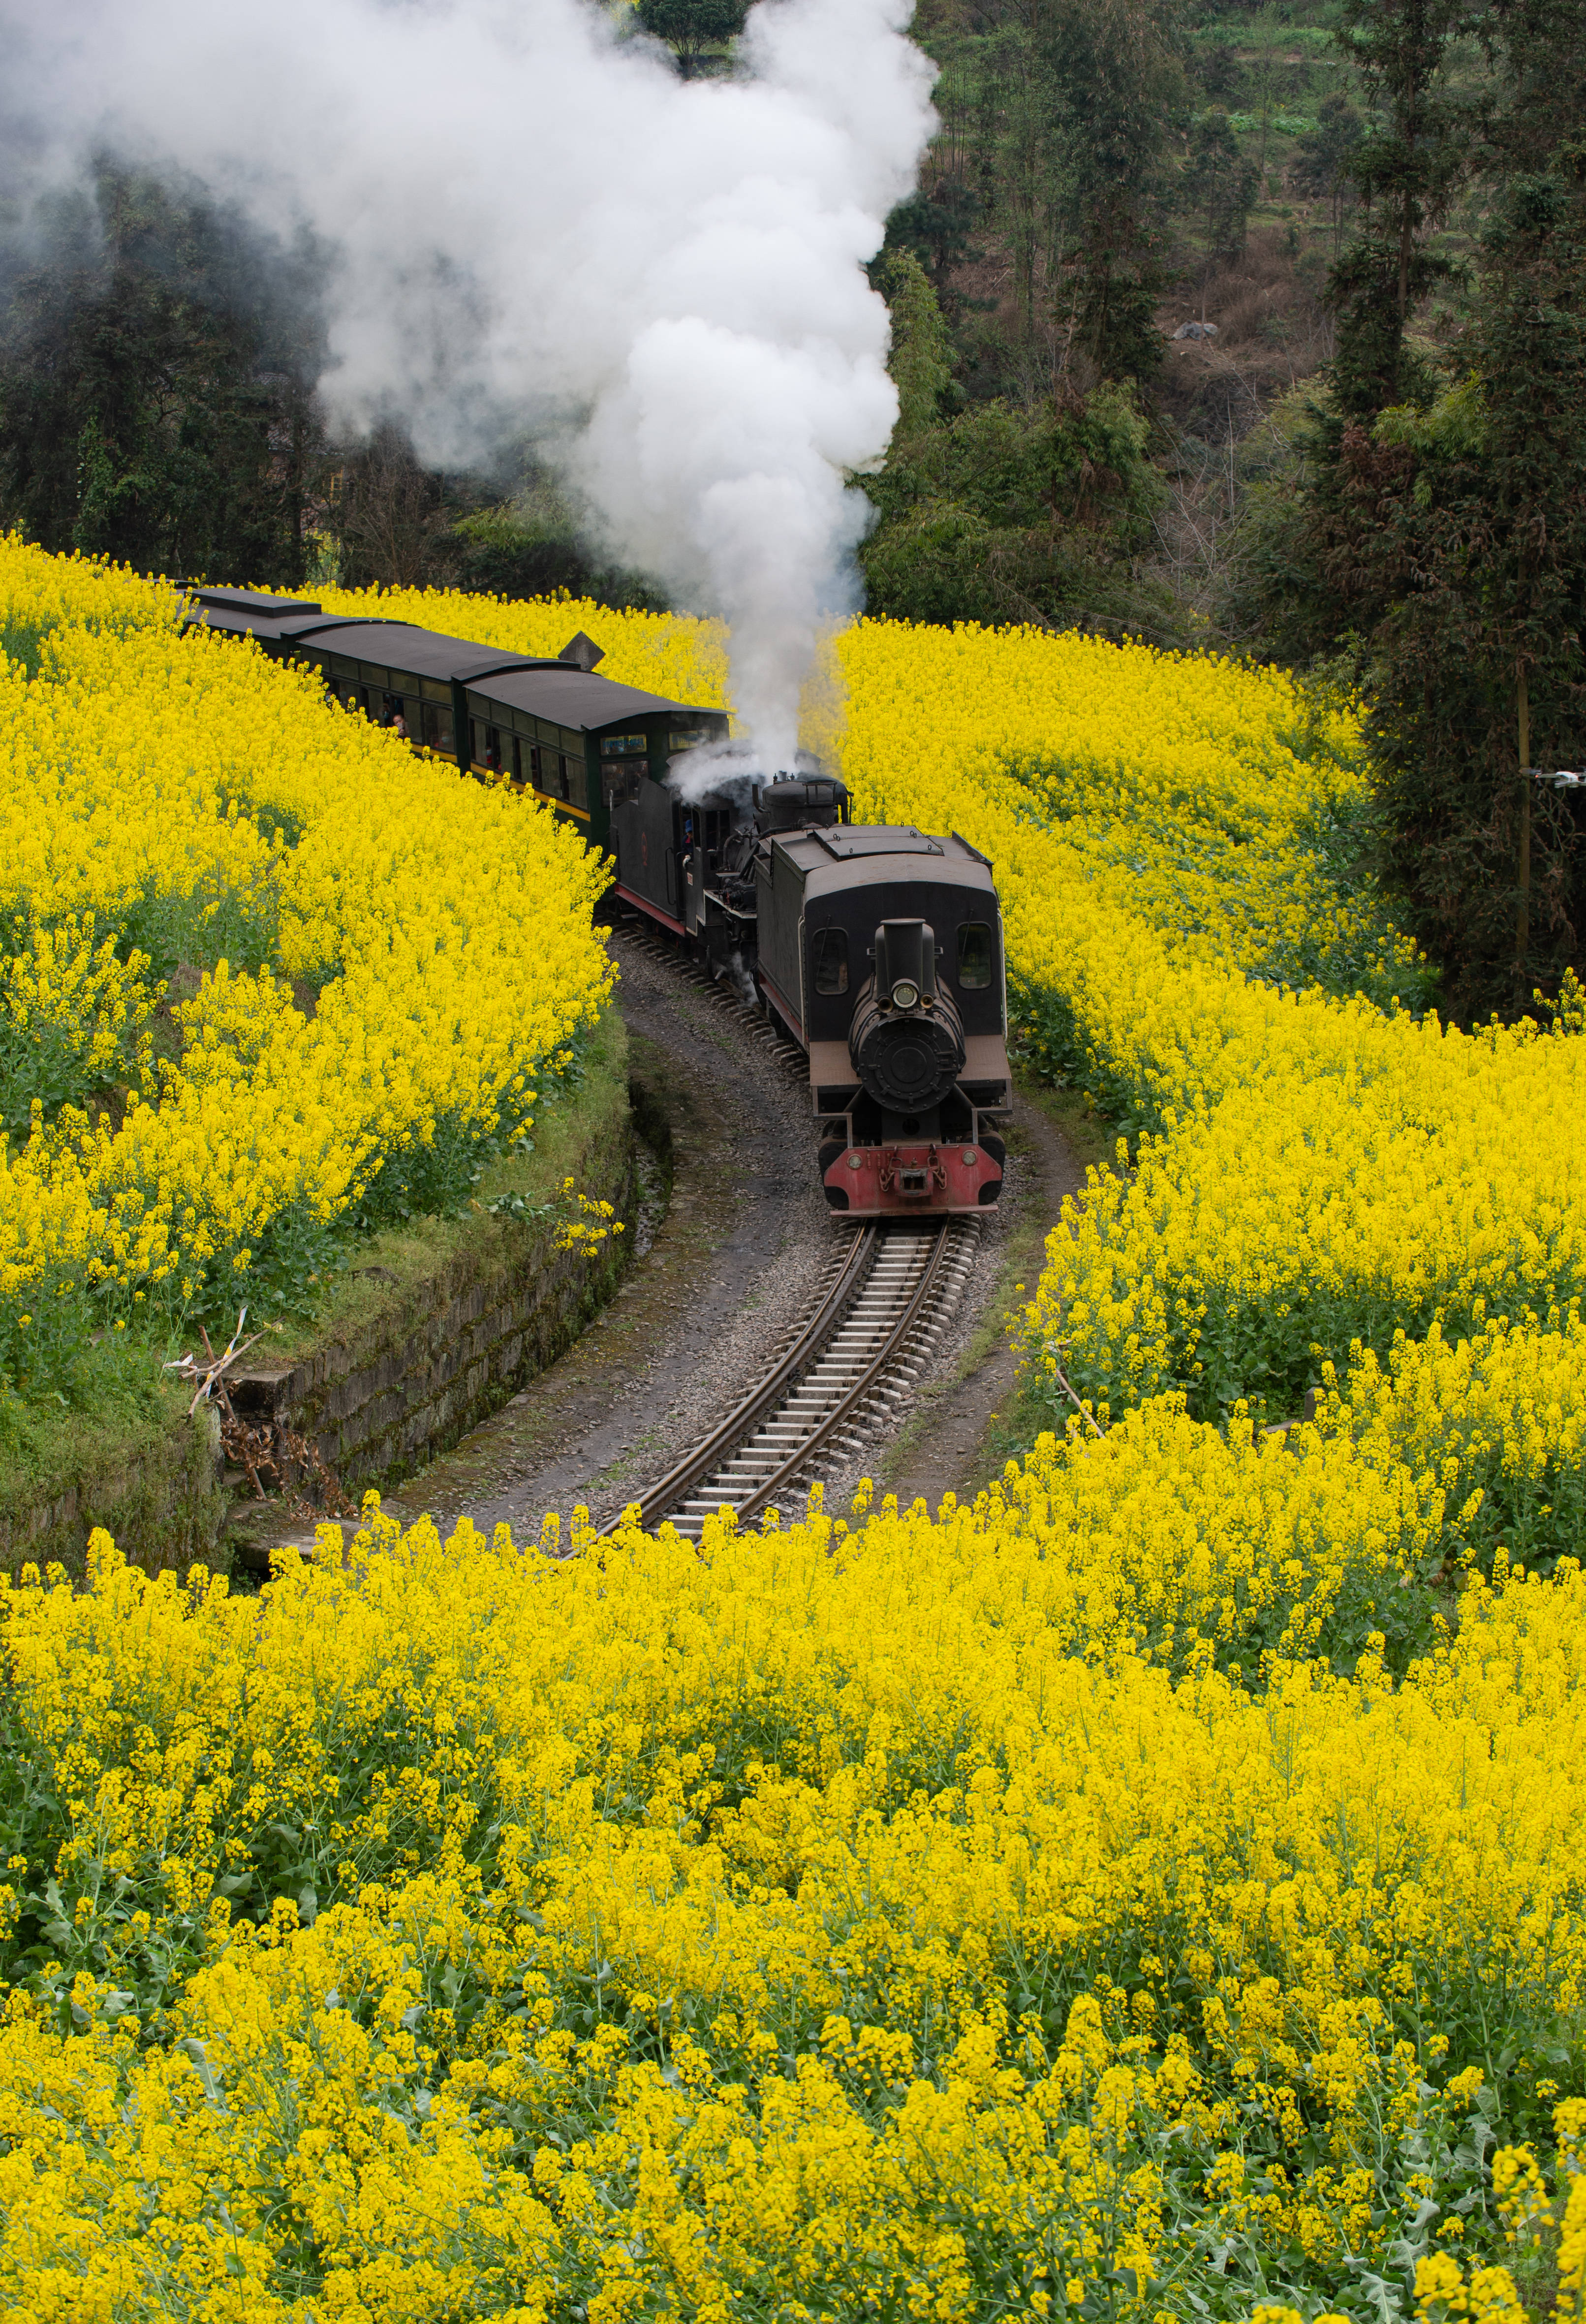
x: 428, y: 1331
x: 157, y: 1489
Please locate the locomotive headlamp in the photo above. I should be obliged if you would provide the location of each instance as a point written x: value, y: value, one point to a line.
x: 905, y: 995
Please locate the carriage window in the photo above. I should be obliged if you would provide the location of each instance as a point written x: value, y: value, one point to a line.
x: 437, y: 726
x: 831, y: 961
x: 974, y: 956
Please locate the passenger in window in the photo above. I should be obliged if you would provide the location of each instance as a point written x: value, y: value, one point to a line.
x: 399, y: 724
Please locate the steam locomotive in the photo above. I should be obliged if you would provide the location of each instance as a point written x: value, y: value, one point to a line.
x: 876, y: 948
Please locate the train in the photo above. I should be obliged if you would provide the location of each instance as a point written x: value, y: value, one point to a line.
x: 877, y: 949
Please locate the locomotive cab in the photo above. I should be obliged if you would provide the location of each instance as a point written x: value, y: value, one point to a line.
x: 880, y: 952
x: 719, y: 878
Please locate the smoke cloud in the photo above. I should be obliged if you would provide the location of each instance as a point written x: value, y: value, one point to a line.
x: 733, y: 767
x: 540, y: 228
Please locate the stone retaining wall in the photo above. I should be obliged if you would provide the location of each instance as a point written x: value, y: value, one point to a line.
x: 159, y: 1494
x: 420, y: 1367
x: 379, y: 1402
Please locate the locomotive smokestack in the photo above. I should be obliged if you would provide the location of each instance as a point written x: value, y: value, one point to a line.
x: 906, y: 1039
x: 905, y: 954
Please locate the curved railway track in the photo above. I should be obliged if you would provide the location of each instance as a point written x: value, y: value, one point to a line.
x: 873, y: 1323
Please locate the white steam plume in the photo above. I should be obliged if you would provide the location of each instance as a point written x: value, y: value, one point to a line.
x: 539, y: 227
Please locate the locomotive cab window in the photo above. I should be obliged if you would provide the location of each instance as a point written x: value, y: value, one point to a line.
x: 830, y: 959
x: 621, y: 778
x: 974, y: 956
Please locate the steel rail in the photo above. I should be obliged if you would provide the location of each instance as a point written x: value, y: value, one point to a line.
x: 892, y: 1346
x: 746, y: 1417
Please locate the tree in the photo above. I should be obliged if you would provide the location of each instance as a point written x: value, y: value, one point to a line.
x: 1322, y: 166
x: 1275, y: 594
x: 1116, y: 82
x: 390, y: 512
x: 1473, y: 512
x: 531, y: 544
x: 1534, y: 101
x: 935, y: 225
x: 157, y: 362
x: 694, y: 30
x: 1020, y: 513
x: 921, y: 357
x: 1220, y: 185
x: 1407, y: 164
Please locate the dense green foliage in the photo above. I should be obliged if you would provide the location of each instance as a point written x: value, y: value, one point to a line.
x: 157, y: 364
x: 1005, y: 512
x: 1423, y: 509
x: 1470, y: 515
x: 696, y: 31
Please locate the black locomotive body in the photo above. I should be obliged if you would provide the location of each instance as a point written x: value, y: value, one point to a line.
x: 877, y: 947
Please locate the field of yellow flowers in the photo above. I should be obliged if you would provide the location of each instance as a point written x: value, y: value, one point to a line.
x: 1155, y: 1892
x: 1317, y: 1160
x: 252, y: 990
x: 895, y: 1919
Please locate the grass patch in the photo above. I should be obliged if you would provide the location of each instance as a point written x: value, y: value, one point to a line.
x: 45, y: 1440
x: 1092, y: 1139
x: 134, y: 1461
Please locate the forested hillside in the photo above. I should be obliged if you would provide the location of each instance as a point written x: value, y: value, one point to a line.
x: 1258, y: 330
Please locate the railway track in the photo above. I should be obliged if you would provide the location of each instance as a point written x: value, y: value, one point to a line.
x: 874, y: 1322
